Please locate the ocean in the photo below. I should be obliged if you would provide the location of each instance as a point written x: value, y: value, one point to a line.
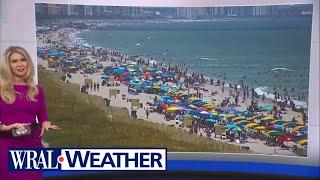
x: 267, y: 55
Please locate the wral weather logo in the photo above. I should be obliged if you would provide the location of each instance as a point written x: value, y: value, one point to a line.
x: 87, y: 159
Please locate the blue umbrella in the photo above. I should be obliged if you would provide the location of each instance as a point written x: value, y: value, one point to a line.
x: 232, y: 110
x: 231, y: 126
x: 208, y: 116
x: 304, y: 129
x: 166, y: 97
x: 183, y: 104
x: 211, y: 120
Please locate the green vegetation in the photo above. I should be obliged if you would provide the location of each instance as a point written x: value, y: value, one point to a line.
x: 85, y: 122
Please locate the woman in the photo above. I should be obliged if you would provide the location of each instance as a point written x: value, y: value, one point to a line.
x: 20, y: 103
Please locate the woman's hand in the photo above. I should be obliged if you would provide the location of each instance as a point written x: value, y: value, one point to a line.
x: 19, y: 126
x: 47, y: 126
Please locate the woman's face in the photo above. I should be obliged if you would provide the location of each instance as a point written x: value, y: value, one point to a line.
x: 19, y: 65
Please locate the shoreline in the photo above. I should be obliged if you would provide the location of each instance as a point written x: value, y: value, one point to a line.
x: 78, y: 78
x: 260, y: 90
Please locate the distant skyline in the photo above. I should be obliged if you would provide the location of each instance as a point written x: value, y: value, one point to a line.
x: 44, y: 10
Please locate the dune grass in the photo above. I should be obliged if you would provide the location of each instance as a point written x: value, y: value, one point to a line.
x: 86, y: 123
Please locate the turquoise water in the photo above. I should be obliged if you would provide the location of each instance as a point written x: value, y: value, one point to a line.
x: 262, y: 53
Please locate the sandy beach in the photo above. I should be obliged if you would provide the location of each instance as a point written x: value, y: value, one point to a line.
x: 212, y: 91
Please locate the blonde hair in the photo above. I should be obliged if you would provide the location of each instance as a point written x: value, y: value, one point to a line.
x: 7, y: 93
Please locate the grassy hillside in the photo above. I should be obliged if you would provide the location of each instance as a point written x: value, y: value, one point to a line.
x: 86, y: 122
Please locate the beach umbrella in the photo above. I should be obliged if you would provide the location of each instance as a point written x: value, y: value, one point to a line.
x: 192, y: 106
x: 285, y: 138
x: 204, y: 112
x: 243, y: 122
x: 260, y: 128
x: 180, y: 93
x: 302, y: 142
x: 254, y: 117
x: 201, y: 109
x: 135, y: 80
x: 297, y: 128
x: 165, y: 106
x: 289, y: 124
x: 277, y: 122
x: 275, y: 126
x: 183, y: 104
x: 236, y: 129
x: 230, y: 126
x: 267, y: 118
x: 208, y: 116
x: 196, y: 101
x: 211, y: 121
x: 169, y: 101
x: 207, y: 104
x: 166, y: 97
x: 252, y: 125
x: 192, y: 98
x: 230, y: 116
x: 214, y: 113
x: 232, y: 110
x: 184, y: 96
x: 303, y: 129
x: 173, y: 108
x: 246, y: 113
x: 236, y: 118
x: 156, y: 86
x: 275, y: 133
x: 223, y: 115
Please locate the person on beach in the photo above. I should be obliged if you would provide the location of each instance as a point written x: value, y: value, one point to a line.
x: 19, y: 93
x: 147, y: 113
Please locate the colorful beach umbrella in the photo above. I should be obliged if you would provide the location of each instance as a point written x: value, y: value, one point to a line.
x: 236, y: 119
x: 230, y: 116
x: 201, y: 109
x: 289, y: 124
x: 211, y: 121
x: 173, y: 108
x: 302, y: 142
x: 267, y: 118
x: 278, y: 122
x: 204, y: 112
x: 275, y: 126
x: 285, y: 138
x: 242, y: 122
x: 252, y: 125
x: 303, y: 129
x: 236, y: 129
x: 297, y: 128
x: 260, y: 128
x: 275, y: 133
x: 214, y: 113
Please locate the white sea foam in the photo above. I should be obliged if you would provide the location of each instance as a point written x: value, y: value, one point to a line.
x: 264, y: 90
x: 207, y: 58
x: 281, y: 69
